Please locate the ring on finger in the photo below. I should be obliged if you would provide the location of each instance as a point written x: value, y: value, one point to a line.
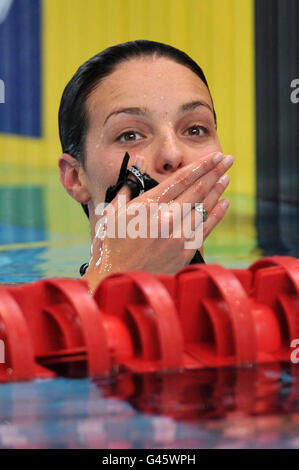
x: 200, y: 208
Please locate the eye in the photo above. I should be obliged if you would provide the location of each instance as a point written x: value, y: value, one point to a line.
x: 197, y: 130
x: 129, y: 136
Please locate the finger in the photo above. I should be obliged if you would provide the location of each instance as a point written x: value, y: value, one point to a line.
x: 218, y: 189
x: 215, y: 216
x: 181, y: 218
x: 195, y: 218
x: 192, y: 232
x: 176, y: 184
x: 202, y: 187
x: 124, y: 194
x: 194, y: 239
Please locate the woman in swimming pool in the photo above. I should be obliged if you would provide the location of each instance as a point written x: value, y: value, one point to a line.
x: 152, y: 101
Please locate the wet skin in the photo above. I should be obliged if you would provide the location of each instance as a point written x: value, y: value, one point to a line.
x: 162, y: 114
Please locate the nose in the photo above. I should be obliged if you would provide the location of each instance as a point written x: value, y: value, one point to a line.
x: 168, y: 153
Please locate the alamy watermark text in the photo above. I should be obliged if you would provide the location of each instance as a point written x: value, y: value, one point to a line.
x: 2, y: 91
x: 2, y: 351
x: 294, y: 96
x: 152, y: 220
x: 295, y: 353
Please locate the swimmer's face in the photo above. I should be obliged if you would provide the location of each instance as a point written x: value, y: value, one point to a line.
x: 148, y: 107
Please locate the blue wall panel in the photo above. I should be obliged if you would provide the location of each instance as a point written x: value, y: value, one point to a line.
x: 20, y: 67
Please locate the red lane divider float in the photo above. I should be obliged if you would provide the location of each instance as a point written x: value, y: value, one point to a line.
x: 205, y: 316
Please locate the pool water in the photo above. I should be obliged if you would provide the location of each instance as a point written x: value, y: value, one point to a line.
x: 43, y: 233
x: 225, y: 408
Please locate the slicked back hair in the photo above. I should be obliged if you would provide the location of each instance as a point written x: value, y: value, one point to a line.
x: 73, y: 115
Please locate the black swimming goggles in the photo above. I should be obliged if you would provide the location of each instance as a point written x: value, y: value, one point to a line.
x: 141, y: 183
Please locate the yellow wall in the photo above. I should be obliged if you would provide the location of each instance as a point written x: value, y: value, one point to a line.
x: 216, y: 33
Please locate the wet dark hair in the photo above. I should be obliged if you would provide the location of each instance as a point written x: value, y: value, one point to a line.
x: 73, y: 115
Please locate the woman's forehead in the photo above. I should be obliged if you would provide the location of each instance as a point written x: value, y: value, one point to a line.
x: 147, y: 81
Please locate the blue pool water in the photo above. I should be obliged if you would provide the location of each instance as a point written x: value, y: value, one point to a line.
x: 254, y: 408
x: 44, y: 234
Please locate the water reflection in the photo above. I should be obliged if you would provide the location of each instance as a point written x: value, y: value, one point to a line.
x: 256, y: 407
x: 213, y: 393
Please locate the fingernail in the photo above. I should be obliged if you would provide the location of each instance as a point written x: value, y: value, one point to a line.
x: 224, y: 180
x: 228, y: 161
x: 225, y: 203
x: 218, y: 157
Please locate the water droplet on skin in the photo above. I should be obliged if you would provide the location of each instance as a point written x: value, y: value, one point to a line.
x: 99, y: 261
x: 149, y: 200
x: 102, y: 229
x: 199, y: 166
x: 167, y: 189
x: 101, y: 257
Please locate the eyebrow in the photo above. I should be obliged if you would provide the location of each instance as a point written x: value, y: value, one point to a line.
x: 144, y: 111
